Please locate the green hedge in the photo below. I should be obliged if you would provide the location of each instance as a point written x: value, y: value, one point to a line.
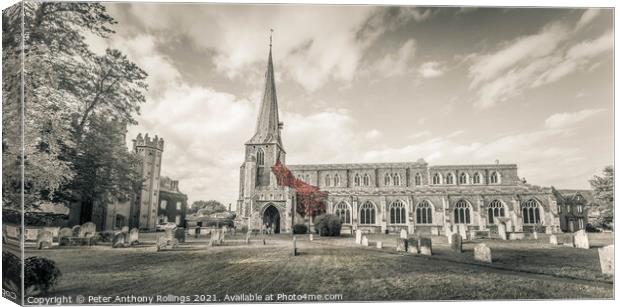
x: 327, y: 225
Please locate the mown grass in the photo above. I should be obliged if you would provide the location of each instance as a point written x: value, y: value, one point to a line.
x: 521, y: 270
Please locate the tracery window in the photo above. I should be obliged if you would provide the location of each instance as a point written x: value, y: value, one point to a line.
x: 367, y: 213
x: 424, y: 213
x: 436, y: 179
x: 462, y: 212
x: 531, y: 212
x: 495, y: 210
x: 397, y: 213
x: 343, y: 211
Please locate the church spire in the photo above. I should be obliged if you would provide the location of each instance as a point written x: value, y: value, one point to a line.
x: 268, y: 124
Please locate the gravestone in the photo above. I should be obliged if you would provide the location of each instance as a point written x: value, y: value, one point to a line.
x: 516, y: 236
x: 88, y: 230
x: 247, y: 237
x: 456, y: 243
x: 501, y: 231
x: 553, y: 239
x: 191, y: 231
x: 31, y: 234
x: 162, y: 243
x: 215, y: 237
x: 463, y: 231
x: 54, y: 230
x: 44, y: 239
x: 76, y: 230
x: 65, y: 232
x: 401, y: 245
x: 125, y: 229
x: 426, y: 246
x: 482, y: 253
x: 581, y: 239
x: 119, y: 239
x: 364, y: 241
x: 606, y: 258
x: 133, y: 236
x: 311, y: 237
x: 295, y: 246
x: 472, y: 234
x: 412, y: 246
x: 379, y: 244
x: 358, y: 236
x: 535, y: 235
x: 566, y: 240
x: 225, y: 229
x: 403, y: 234
x: 222, y: 236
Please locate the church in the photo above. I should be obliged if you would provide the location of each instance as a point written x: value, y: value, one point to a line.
x: 388, y: 197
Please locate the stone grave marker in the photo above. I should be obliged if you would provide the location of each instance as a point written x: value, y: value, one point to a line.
x: 379, y: 244
x: 88, y: 230
x: 133, y: 236
x: 64, y: 232
x: 606, y: 258
x: 54, y: 230
x: 125, y: 229
x: 501, y: 231
x: 358, y: 236
x: 535, y: 235
x: 516, y: 236
x: 311, y: 237
x: 215, y: 238
x: 412, y: 246
x: 191, y: 231
x: 364, y: 241
x: 403, y: 234
x: 581, y: 239
x: 295, y: 246
x: 456, y: 243
x: 247, y: 237
x: 401, y: 245
x: 44, y: 239
x: 553, y: 240
x: 119, y: 239
x: 482, y: 253
x: 426, y: 246
x: 463, y: 231
x: 222, y: 236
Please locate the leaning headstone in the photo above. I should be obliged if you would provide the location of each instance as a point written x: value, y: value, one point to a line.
x: 133, y: 236
x: 358, y: 236
x: 553, y: 239
x: 581, y: 239
x: 456, y: 243
x: 44, y: 239
x: 501, y: 230
x: 412, y: 246
x: 364, y: 241
x: 606, y: 258
x: 76, y: 231
x: 88, y: 230
x: 379, y: 244
x: 401, y: 245
x: 403, y: 234
x: 482, y: 253
x: 119, y: 239
x: 426, y: 246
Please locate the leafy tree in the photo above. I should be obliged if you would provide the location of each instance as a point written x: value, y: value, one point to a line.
x: 207, y: 207
x: 603, y: 190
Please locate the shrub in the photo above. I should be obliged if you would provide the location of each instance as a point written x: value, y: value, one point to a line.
x: 11, y: 271
x: 40, y: 274
x: 300, y: 229
x: 327, y: 225
x: 105, y: 236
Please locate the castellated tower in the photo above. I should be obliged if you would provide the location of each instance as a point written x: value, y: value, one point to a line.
x: 144, y: 213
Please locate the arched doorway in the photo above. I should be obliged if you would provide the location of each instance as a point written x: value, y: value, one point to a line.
x: 271, y: 217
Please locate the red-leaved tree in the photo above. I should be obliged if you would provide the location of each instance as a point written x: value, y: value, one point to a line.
x: 310, y: 200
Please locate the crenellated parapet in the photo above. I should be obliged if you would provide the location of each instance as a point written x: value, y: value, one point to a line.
x: 147, y: 141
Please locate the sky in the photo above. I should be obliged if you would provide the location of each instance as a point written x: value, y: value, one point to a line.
x: 451, y: 85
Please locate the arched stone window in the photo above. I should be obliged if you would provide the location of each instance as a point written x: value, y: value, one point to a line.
x: 343, y: 211
x: 396, y: 179
x: 531, y: 212
x: 418, y: 179
x: 462, y: 212
x: 260, y: 157
x: 357, y: 180
x: 336, y: 180
x: 387, y: 180
x: 495, y: 178
x: 436, y: 178
x: 477, y: 178
x: 463, y: 178
x: 398, y: 214
x: 495, y: 210
x: 449, y: 178
x: 367, y: 213
x: 328, y: 180
x: 424, y: 213
x: 366, y: 180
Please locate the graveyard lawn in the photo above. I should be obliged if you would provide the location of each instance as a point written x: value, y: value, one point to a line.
x: 520, y: 270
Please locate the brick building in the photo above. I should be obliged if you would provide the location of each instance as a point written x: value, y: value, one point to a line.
x: 172, y: 203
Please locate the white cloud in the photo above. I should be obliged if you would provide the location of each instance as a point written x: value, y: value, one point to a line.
x: 373, y: 134
x: 587, y: 17
x: 431, y: 69
x: 566, y: 120
x: 397, y: 63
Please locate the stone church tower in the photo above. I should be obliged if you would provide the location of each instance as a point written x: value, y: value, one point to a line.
x: 262, y: 203
x: 144, y: 212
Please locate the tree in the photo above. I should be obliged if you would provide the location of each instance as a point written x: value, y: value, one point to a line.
x: 310, y: 199
x: 603, y: 190
x: 207, y: 207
